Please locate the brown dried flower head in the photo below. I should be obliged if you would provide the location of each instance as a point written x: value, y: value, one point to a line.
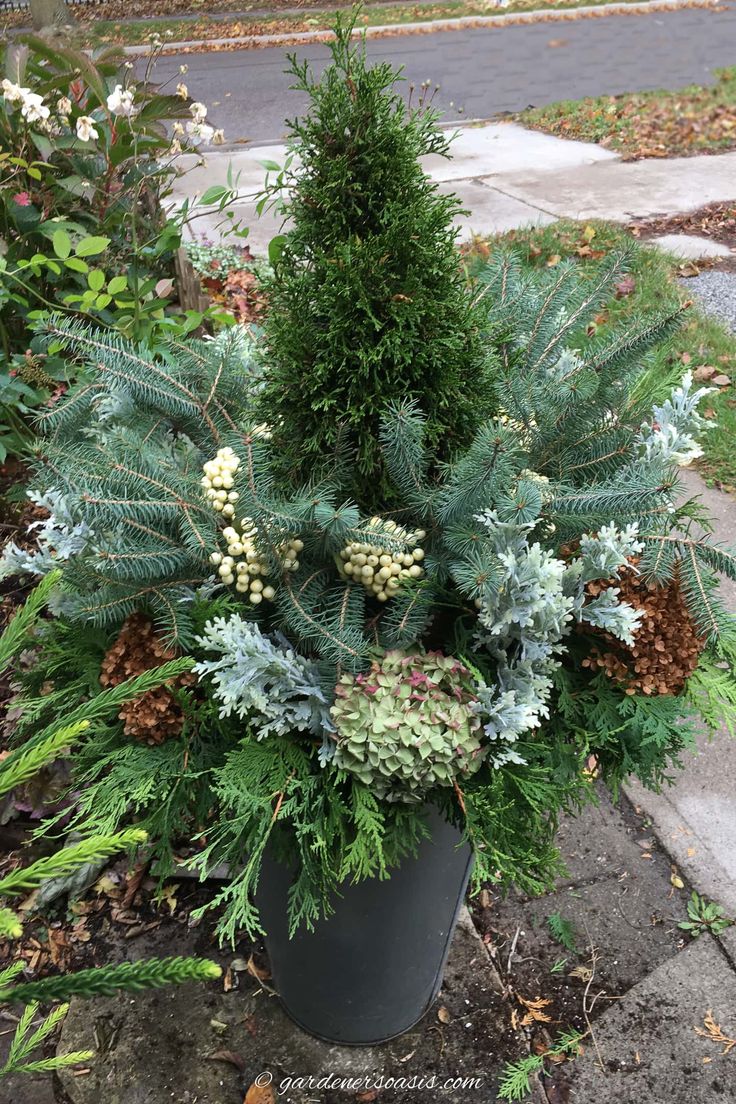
x: 154, y: 716
x: 666, y: 647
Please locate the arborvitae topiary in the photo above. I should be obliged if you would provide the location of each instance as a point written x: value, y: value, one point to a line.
x: 368, y: 302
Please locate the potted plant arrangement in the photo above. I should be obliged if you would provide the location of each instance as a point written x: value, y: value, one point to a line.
x: 426, y: 543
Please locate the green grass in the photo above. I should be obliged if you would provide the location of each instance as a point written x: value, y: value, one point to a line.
x: 138, y: 32
x: 691, y: 120
x: 702, y: 339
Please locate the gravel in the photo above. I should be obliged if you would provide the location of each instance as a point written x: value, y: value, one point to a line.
x: 716, y: 292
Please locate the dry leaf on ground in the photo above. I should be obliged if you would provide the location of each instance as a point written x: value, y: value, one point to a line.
x: 230, y: 1057
x: 260, y: 1094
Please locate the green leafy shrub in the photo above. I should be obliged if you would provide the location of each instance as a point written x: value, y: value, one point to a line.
x: 368, y: 301
x: 87, y: 164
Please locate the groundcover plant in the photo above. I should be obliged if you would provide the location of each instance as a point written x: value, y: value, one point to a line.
x: 424, y: 540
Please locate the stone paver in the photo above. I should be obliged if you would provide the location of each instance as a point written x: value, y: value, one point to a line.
x: 163, y: 1043
x: 649, y: 1049
x: 690, y: 246
x: 485, y: 71
x: 618, y: 898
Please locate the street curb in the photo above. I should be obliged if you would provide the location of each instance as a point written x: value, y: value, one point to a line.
x: 540, y: 15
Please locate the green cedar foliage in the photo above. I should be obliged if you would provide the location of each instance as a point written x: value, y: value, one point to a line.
x: 368, y: 302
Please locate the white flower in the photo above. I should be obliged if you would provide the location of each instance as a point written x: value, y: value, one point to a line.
x: 178, y: 129
x: 86, y: 128
x: 218, y: 138
x: 182, y: 90
x: 183, y: 69
x: 33, y: 108
x: 175, y: 146
x: 64, y: 106
x: 120, y: 101
x: 199, y: 112
x: 200, y: 133
x: 13, y: 93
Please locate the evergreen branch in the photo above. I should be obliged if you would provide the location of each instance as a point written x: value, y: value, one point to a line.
x: 69, y: 859
x: 144, y: 376
x: 15, y: 635
x: 24, y: 1044
x: 131, y: 977
x: 26, y: 761
x: 98, y: 708
x: 10, y: 925
x: 51, y: 1065
x: 565, y: 274
x: 592, y: 299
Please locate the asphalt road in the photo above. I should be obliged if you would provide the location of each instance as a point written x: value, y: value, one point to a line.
x: 484, y: 71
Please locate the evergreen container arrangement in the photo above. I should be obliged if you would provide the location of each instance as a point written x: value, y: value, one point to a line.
x: 428, y: 564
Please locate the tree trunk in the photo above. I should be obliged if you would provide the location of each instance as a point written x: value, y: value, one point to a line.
x: 49, y: 13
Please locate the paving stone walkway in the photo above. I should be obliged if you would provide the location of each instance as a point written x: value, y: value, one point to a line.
x: 484, y: 71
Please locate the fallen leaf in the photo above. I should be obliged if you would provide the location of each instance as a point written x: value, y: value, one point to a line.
x: 553, y: 260
x: 249, y: 1022
x: 134, y: 883
x: 443, y: 1015
x: 625, y: 287
x: 168, y: 896
x: 260, y: 1094
x: 704, y: 372
x: 229, y: 1056
x: 721, y: 380
x: 677, y: 881
x: 689, y: 268
x: 261, y: 973
x: 227, y: 982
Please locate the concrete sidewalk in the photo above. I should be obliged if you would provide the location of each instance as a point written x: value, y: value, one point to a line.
x: 507, y: 177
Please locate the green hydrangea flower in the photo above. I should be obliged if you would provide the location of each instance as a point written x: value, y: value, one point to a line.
x: 408, y: 724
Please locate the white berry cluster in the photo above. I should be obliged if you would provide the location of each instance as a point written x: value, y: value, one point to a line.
x: 246, y: 567
x: 218, y: 481
x: 243, y: 565
x: 378, y: 569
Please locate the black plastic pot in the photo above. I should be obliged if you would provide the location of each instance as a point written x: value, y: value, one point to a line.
x: 371, y: 970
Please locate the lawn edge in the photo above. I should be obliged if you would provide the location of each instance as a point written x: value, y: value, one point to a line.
x: 539, y: 15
